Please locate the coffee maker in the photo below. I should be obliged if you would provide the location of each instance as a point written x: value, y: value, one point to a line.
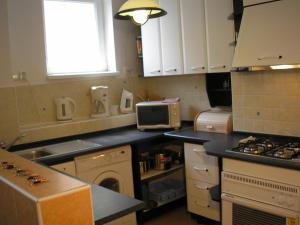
x: 99, y: 96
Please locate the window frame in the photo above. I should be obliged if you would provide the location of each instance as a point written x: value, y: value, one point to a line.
x: 101, y: 26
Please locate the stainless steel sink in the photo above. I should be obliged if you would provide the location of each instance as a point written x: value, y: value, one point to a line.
x: 57, y: 149
x: 35, y: 154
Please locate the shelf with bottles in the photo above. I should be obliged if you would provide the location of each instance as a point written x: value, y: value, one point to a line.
x: 155, y: 173
x: 160, y: 161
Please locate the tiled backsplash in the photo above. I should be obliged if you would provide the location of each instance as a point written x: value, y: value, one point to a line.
x: 267, y: 102
x: 190, y: 88
x: 31, y: 109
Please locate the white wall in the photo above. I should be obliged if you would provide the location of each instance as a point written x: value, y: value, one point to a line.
x: 4, y: 45
x: 22, y: 41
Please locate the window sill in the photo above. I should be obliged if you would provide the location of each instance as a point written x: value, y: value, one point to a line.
x: 82, y: 75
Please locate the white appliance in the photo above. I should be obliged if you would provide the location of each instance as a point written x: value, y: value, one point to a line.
x: 126, y: 104
x: 259, y: 194
x: 65, y: 108
x: 269, y: 36
x: 111, y: 169
x: 158, y: 115
x: 100, y: 101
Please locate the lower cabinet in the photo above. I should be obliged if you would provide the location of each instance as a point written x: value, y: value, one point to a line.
x: 67, y: 168
x: 202, y: 177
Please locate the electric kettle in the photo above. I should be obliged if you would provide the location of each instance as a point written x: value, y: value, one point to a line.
x: 65, y: 108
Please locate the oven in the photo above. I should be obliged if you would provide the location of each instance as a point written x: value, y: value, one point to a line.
x: 249, y: 200
x: 242, y: 211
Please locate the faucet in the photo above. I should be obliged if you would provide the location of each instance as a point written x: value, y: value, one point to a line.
x: 5, y: 146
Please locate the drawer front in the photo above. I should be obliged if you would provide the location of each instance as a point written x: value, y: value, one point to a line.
x: 196, y: 153
x: 206, y: 209
x: 202, y: 172
x: 199, y: 189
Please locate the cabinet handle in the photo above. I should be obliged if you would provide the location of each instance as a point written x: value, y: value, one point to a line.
x: 231, y: 16
x: 198, y: 68
x: 155, y: 71
x: 98, y: 156
x: 201, y: 188
x: 209, y: 127
x: 269, y: 57
x: 232, y: 44
x: 199, y: 150
x: 200, y: 169
x: 171, y: 70
x: 218, y: 67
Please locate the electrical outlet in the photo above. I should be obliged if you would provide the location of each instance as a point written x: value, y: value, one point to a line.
x: 19, y: 76
x: 15, y: 76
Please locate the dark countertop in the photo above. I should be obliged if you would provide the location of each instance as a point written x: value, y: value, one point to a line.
x: 218, y: 145
x: 107, y: 140
x: 109, y: 205
x: 214, y: 143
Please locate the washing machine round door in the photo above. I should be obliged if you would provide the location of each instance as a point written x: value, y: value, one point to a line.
x: 110, y: 180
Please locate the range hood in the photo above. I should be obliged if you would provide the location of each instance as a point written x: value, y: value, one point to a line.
x: 269, y: 36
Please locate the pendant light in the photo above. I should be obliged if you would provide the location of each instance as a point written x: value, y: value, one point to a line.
x: 139, y: 11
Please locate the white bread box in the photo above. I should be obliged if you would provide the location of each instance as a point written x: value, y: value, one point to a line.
x: 214, y: 121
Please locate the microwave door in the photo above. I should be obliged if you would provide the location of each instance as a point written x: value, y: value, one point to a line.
x: 242, y: 211
x: 153, y: 115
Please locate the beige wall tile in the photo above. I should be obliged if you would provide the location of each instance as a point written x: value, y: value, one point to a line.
x: 191, y: 89
x: 9, y: 126
x: 34, y: 107
x: 275, y: 95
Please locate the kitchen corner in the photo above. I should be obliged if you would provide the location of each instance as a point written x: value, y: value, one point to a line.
x: 149, y: 112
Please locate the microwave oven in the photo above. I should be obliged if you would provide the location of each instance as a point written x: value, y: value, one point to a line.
x: 158, y: 115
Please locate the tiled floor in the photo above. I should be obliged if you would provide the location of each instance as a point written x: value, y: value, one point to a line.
x: 177, y: 216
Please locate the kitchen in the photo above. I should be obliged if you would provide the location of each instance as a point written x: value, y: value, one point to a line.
x: 264, y: 102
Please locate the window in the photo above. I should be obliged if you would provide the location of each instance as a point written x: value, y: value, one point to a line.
x: 75, y: 38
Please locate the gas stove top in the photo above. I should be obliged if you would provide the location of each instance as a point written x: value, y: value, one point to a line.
x: 267, y: 147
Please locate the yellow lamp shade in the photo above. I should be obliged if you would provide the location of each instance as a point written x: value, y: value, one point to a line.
x: 139, y: 11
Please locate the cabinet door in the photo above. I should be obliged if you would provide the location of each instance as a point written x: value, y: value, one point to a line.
x: 194, y: 36
x: 67, y: 168
x: 171, y: 40
x: 220, y: 35
x: 151, y: 48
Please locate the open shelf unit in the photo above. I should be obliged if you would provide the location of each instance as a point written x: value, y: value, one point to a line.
x: 154, y: 174
x: 159, y: 189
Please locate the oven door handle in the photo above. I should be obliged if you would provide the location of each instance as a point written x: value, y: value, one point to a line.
x: 277, y: 210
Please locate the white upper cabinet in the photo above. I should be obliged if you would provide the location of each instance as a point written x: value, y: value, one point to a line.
x: 152, y: 48
x: 196, y: 36
x: 220, y: 35
x: 193, y: 36
x: 171, y: 41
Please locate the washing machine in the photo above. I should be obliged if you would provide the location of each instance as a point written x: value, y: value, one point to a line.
x: 111, y: 169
